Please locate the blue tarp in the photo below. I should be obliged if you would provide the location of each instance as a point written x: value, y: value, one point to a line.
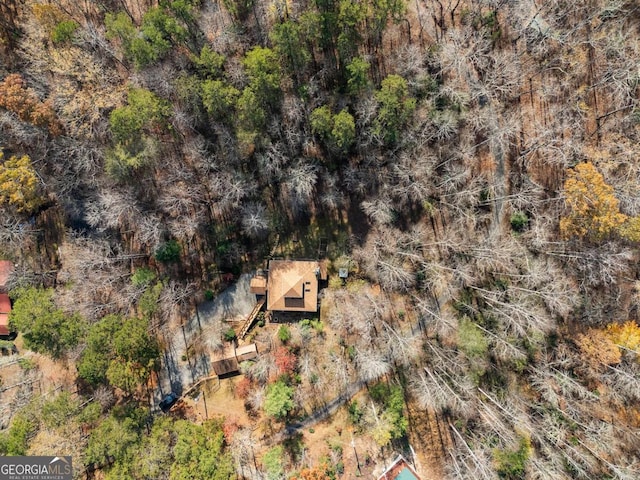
x: 406, y: 474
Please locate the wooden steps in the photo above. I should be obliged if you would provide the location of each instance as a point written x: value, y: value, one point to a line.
x: 250, y: 319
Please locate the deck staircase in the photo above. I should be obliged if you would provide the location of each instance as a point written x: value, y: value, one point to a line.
x: 250, y: 319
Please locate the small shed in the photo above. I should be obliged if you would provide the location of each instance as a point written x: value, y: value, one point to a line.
x: 246, y: 352
x: 225, y: 366
x: 229, y: 360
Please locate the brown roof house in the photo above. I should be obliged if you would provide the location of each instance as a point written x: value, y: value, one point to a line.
x: 292, y: 285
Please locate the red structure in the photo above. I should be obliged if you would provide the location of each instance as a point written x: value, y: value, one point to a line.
x: 400, y: 469
x: 5, y: 309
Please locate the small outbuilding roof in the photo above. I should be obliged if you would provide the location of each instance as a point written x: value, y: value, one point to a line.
x: 229, y: 360
x: 246, y: 352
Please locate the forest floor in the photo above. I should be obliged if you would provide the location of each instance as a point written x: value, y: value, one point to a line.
x: 24, y: 373
x: 429, y: 440
x: 324, y: 434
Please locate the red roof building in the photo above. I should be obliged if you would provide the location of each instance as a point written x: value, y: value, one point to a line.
x: 400, y: 469
x: 5, y: 309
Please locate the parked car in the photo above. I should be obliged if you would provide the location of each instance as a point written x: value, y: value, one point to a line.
x: 168, y: 401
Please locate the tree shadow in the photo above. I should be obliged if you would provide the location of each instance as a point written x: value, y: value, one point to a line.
x: 358, y: 223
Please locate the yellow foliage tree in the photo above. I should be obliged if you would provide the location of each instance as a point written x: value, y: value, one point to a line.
x: 625, y: 335
x: 19, y: 183
x: 594, y: 209
x: 630, y: 230
x: 598, y: 349
x: 48, y: 16
x: 16, y: 97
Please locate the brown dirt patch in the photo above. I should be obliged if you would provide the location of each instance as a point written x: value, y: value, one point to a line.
x: 429, y: 436
x: 56, y: 375
x: 216, y: 398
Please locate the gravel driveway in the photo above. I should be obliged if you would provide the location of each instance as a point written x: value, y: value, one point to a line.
x: 233, y: 304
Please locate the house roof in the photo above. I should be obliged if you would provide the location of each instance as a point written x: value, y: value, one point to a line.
x: 6, y: 268
x: 292, y: 285
x: 400, y: 469
x: 5, y: 309
x: 225, y: 365
x: 5, y: 303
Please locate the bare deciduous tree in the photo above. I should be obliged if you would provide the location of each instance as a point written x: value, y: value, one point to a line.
x: 255, y: 223
x: 371, y: 365
x: 299, y: 186
x: 388, y: 259
x: 338, y: 368
x: 113, y: 209
x: 15, y: 233
x: 380, y: 210
x: 96, y: 278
